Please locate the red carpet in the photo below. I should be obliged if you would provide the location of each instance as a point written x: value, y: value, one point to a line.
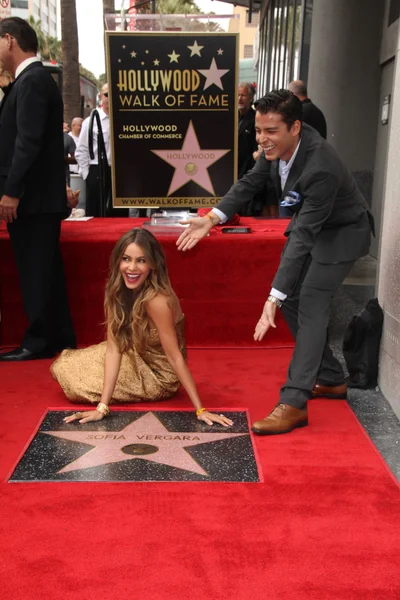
x: 322, y: 525
x: 222, y: 283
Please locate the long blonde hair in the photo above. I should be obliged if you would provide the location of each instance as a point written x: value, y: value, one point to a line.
x: 5, y: 77
x: 125, y: 309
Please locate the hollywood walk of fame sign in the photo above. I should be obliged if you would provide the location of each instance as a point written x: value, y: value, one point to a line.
x: 139, y: 446
x: 173, y: 103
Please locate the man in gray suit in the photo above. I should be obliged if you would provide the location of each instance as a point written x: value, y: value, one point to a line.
x: 330, y: 229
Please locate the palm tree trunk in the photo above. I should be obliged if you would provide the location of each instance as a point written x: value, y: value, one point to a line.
x: 70, y: 55
x: 108, y: 6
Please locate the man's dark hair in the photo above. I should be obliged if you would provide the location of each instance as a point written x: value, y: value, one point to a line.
x: 20, y: 30
x: 282, y: 102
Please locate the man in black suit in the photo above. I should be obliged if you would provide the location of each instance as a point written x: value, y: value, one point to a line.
x: 312, y: 115
x: 330, y: 229
x: 33, y: 191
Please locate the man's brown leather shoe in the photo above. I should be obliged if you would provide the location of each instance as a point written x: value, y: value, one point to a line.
x: 282, y: 419
x: 338, y: 392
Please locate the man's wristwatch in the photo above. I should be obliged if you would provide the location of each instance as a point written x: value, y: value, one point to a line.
x: 210, y: 216
x: 275, y: 301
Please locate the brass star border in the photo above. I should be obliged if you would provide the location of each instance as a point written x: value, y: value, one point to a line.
x: 139, y: 445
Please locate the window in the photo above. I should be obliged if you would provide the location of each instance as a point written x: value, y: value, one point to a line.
x: 19, y: 3
x: 255, y: 19
x: 284, y: 46
x: 248, y: 51
x: 394, y: 11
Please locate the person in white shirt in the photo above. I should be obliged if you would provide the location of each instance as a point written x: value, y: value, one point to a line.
x: 89, y: 168
x: 76, y: 126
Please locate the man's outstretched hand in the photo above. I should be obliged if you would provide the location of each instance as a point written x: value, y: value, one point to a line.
x: 198, y: 228
x: 266, y: 321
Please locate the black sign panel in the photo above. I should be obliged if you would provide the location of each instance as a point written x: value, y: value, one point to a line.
x: 173, y: 102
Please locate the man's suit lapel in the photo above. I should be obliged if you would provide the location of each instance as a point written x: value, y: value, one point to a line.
x: 9, y: 88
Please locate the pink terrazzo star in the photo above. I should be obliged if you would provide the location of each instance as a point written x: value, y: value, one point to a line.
x: 147, y: 432
x: 191, y: 162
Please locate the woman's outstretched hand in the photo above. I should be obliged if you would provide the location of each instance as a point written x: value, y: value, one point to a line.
x: 198, y: 228
x: 211, y: 418
x: 85, y: 417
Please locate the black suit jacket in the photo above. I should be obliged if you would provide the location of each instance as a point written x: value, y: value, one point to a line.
x: 314, y: 116
x: 247, y: 142
x: 331, y: 221
x: 32, y: 164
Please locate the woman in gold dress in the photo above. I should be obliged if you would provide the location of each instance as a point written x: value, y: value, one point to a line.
x: 144, y: 357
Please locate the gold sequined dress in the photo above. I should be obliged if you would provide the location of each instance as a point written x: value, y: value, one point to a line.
x: 143, y: 377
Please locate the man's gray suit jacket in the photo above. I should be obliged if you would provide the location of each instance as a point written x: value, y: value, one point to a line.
x: 331, y: 220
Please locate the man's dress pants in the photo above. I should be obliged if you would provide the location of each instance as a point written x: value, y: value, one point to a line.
x: 307, y: 314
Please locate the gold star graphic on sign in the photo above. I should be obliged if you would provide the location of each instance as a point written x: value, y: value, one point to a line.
x: 173, y: 57
x: 156, y: 62
x: 133, y: 54
x: 195, y: 49
x: 124, y: 46
x: 220, y: 51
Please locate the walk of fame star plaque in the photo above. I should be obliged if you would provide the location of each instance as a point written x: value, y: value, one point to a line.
x: 136, y: 445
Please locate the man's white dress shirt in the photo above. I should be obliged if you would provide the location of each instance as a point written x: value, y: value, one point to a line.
x: 25, y: 63
x: 82, y: 149
x: 284, y: 170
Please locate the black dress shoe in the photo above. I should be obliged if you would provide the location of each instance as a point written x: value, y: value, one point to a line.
x: 21, y: 354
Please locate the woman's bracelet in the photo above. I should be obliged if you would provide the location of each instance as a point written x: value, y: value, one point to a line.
x: 103, y: 409
x: 201, y: 410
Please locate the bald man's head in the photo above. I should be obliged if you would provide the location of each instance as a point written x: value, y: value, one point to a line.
x: 76, y: 126
x: 298, y: 88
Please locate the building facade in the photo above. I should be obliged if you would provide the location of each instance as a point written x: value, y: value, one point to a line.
x: 44, y: 11
x: 248, y: 38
